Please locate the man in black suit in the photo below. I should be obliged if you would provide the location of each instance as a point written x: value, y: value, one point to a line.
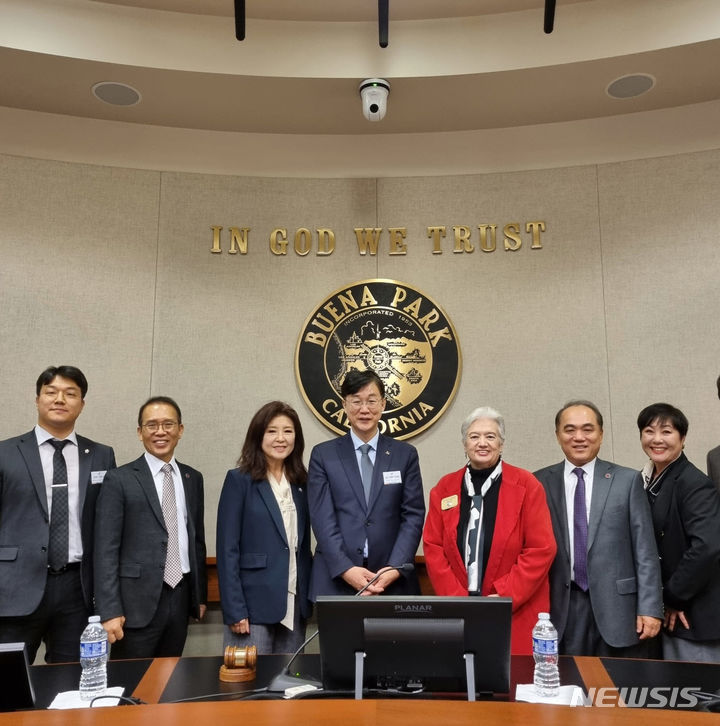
x: 150, y: 572
x: 713, y: 457
x: 49, y: 481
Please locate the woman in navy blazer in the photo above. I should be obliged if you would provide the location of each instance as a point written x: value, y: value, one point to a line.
x: 263, y: 536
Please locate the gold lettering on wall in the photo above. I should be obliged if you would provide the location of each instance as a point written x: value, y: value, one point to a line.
x: 397, y: 237
x: 238, y: 240
x: 369, y: 239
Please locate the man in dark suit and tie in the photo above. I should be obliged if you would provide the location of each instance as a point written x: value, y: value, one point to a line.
x: 150, y: 571
x: 605, y: 587
x: 366, y: 500
x: 713, y: 457
x: 49, y: 480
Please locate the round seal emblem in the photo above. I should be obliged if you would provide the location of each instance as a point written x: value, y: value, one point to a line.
x: 397, y: 331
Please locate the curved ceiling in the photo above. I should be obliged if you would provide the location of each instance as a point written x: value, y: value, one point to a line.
x: 462, y: 72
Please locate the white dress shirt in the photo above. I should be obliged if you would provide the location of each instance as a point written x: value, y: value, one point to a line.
x: 156, y: 465
x: 72, y: 463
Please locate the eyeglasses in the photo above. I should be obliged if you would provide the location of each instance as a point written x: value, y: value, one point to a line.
x: 154, y: 426
x: 356, y: 403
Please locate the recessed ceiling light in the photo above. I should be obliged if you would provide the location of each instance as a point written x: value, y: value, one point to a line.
x: 630, y: 86
x: 117, y: 94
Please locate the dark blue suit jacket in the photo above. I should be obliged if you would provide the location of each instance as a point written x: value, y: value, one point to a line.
x: 391, y: 522
x: 252, y: 551
x: 25, y: 524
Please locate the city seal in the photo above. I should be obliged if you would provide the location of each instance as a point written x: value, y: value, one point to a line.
x: 397, y: 331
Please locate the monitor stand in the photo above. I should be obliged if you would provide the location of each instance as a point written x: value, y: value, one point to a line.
x: 359, y: 673
x: 469, y: 674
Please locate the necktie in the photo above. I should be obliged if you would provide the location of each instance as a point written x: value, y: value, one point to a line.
x: 173, y: 569
x: 58, y: 546
x: 580, y: 531
x: 366, y: 469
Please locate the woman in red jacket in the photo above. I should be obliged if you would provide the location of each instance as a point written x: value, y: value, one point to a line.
x: 488, y: 529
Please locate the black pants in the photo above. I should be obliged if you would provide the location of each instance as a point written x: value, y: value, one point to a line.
x: 58, y: 621
x: 164, y: 636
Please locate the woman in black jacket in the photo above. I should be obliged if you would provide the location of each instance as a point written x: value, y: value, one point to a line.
x: 686, y: 517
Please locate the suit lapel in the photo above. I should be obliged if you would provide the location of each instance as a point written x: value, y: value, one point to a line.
x: 384, y: 457
x: 147, y: 484
x: 556, y: 492
x: 266, y: 493
x: 348, y: 457
x: 29, y: 451
x: 602, y: 482
x: 300, y: 509
x: 663, y: 501
x: 451, y: 519
x: 85, y: 457
x: 510, y: 501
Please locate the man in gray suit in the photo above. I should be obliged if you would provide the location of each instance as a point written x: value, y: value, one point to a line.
x: 713, y: 457
x: 49, y: 480
x: 150, y: 569
x: 605, y: 586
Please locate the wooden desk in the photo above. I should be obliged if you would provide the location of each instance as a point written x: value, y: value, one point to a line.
x: 162, y: 680
x: 354, y: 713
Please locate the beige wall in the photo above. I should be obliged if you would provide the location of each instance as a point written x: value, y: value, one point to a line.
x: 111, y: 270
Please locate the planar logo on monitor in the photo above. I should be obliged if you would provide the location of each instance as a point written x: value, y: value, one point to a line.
x: 397, y: 331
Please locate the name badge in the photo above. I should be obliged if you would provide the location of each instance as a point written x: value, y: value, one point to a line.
x: 392, y: 477
x: 96, y: 477
x: 449, y: 502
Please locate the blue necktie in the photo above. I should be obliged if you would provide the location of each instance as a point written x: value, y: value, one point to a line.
x: 366, y: 469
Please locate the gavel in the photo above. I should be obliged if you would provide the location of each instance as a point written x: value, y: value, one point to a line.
x: 239, y: 663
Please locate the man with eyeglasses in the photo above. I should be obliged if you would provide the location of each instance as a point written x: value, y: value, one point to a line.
x: 49, y: 481
x: 366, y: 501
x: 150, y: 571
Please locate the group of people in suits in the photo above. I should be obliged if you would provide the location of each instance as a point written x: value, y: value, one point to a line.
x: 579, y: 539
x: 613, y: 554
x: 80, y: 536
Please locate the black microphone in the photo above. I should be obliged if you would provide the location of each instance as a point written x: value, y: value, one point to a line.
x: 283, y: 680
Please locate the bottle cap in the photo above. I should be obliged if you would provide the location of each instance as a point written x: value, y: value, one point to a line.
x: 94, y: 619
x: 543, y: 616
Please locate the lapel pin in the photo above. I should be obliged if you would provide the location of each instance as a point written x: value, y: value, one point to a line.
x: 87, y: 451
x: 187, y: 476
x: 387, y: 453
x: 607, y: 476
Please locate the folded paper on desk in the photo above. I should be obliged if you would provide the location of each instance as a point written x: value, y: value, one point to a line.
x: 71, y: 699
x: 569, y: 695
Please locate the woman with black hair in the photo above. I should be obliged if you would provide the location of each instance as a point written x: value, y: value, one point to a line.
x: 686, y: 517
x: 263, y: 536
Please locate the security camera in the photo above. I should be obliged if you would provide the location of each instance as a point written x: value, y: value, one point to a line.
x: 374, y: 93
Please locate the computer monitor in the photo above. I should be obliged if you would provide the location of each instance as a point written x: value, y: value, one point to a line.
x: 415, y: 643
x: 17, y: 691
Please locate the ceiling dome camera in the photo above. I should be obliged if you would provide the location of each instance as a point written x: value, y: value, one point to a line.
x: 374, y: 93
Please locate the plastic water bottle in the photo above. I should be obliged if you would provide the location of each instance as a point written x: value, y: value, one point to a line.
x: 93, y: 659
x: 545, y: 652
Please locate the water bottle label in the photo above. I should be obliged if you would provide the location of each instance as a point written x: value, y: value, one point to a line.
x: 546, y: 646
x: 93, y: 650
